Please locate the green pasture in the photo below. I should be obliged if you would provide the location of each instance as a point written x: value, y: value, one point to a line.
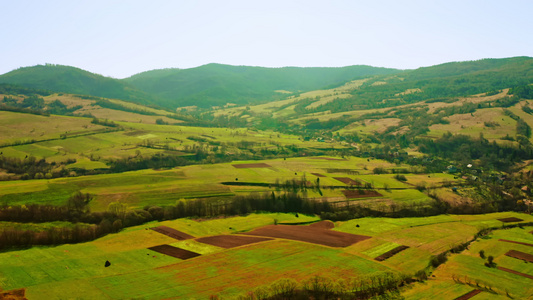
x: 443, y: 289
x: 77, y: 271
x: 469, y: 263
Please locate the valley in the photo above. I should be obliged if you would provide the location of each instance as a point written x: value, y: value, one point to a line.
x: 233, y: 182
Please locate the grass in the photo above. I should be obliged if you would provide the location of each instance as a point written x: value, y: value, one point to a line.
x: 69, y: 271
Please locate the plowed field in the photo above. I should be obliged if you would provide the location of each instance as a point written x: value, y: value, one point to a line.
x: 174, y: 251
x: 173, y: 233
x: 309, y: 234
x: 230, y: 241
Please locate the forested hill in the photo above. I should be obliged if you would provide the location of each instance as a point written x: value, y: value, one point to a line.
x: 217, y: 84
x: 73, y: 80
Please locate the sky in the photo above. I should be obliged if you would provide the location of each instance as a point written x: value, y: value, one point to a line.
x: 119, y: 38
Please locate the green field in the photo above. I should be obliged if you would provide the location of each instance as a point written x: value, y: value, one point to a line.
x: 77, y: 271
x: 165, y: 187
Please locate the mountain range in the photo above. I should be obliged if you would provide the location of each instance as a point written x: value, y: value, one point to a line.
x: 218, y: 84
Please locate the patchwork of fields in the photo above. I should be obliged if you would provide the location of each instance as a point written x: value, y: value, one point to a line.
x: 230, y: 256
x: 165, y: 187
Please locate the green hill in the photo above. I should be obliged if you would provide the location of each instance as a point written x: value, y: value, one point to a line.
x: 67, y: 79
x: 216, y: 84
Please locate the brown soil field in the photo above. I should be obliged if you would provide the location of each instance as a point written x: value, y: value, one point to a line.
x: 318, y: 175
x: 520, y: 243
x: 258, y: 165
x: 512, y: 219
x: 345, y: 171
x: 174, y: 251
x: 18, y: 294
x: 231, y: 241
x: 173, y: 233
x: 348, y: 181
x: 350, y: 194
x: 391, y: 253
x: 520, y: 255
x: 309, y: 234
x: 326, y: 224
x: 515, y: 272
x: 468, y: 295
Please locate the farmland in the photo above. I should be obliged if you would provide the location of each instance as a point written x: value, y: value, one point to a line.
x: 418, y: 180
x: 52, y: 272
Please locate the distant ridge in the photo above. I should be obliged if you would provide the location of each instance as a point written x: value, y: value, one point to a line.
x: 66, y: 79
x: 218, y: 84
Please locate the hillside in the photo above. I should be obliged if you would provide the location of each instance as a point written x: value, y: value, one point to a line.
x: 73, y: 80
x: 216, y: 84
x: 422, y: 179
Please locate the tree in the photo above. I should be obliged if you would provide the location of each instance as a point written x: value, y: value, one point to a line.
x: 118, y: 209
x: 79, y: 202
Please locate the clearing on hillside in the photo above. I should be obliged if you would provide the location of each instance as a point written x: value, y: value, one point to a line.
x: 310, y: 235
x: 174, y: 251
x: 173, y: 233
x: 230, y: 241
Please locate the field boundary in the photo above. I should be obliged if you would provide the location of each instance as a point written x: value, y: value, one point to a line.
x: 391, y: 253
x: 515, y: 242
x: 515, y: 272
x: 468, y: 295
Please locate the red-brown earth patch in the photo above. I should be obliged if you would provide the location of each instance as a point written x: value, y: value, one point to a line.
x: 257, y: 165
x: 230, y: 241
x: 326, y: 224
x: 468, y: 295
x: 318, y: 175
x: 173, y: 233
x: 18, y: 294
x: 351, y: 194
x: 520, y: 243
x: 309, y: 234
x: 511, y: 219
x: 515, y: 272
x: 174, y: 251
x: 520, y: 255
x: 391, y: 253
x: 347, y: 181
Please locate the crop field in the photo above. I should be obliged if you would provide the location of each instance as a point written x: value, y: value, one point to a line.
x: 210, y: 266
x: 468, y: 267
x: 52, y: 272
x: 165, y: 187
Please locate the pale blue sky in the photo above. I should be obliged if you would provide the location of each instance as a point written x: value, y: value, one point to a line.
x: 120, y: 38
